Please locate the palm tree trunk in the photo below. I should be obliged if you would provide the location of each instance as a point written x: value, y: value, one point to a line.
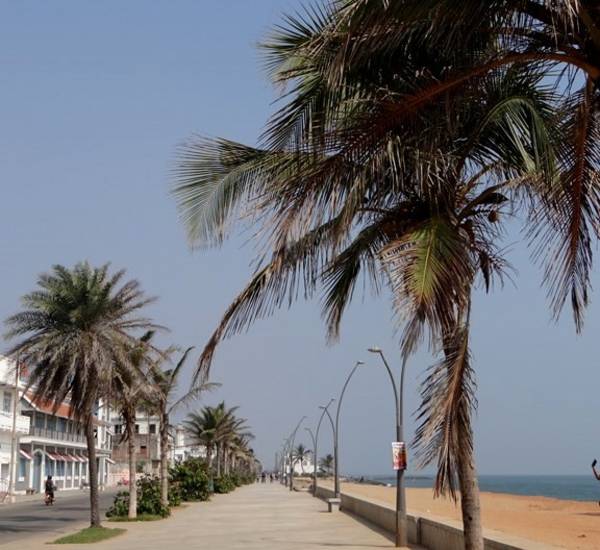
x: 164, y: 461
x: 218, y: 460
x: 132, y: 512
x: 93, y: 472
x: 469, y: 498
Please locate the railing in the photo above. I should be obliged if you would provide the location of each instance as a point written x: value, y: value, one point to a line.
x: 56, y: 435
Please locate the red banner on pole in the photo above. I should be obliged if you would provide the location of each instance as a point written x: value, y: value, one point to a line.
x: 399, y: 455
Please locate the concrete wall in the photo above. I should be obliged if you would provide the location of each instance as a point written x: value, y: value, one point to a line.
x: 431, y: 533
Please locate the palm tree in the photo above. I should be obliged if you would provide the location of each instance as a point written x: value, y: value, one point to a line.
x: 300, y: 454
x: 129, y: 391
x: 326, y: 463
x: 163, y: 401
x: 75, y: 328
x: 559, y: 39
x: 220, y: 431
x: 416, y: 206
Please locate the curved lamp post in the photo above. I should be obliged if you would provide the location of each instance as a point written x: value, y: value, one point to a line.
x: 401, y: 534
x: 291, y: 452
x: 336, y: 432
x: 315, y: 440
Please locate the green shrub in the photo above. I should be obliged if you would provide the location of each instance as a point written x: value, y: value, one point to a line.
x: 191, y: 480
x: 148, y: 500
x: 224, y: 484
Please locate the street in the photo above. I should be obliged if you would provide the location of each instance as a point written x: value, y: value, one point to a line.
x: 31, y: 517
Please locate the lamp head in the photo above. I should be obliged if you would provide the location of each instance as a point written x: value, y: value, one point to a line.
x: 359, y: 363
x: 375, y: 349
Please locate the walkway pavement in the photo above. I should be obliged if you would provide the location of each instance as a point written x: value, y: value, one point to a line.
x: 265, y: 517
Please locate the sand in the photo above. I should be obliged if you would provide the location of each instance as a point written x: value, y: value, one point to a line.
x: 566, y: 523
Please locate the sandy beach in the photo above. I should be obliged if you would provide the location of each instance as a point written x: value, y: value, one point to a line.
x: 571, y: 524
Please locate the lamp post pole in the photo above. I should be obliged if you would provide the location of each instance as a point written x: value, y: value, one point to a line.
x: 336, y: 432
x: 12, y: 475
x: 401, y: 526
x: 316, y: 441
x: 291, y: 453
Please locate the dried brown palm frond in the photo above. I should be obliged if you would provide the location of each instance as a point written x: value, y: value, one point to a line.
x: 448, y: 399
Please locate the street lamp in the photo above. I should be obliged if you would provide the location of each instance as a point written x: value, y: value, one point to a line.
x: 336, y: 432
x: 291, y: 451
x: 315, y: 439
x: 401, y: 534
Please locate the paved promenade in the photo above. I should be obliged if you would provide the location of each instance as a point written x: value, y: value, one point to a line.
x: 265, y: 517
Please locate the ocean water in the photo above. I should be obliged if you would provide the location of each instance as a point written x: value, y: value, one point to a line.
x: 584, y: 488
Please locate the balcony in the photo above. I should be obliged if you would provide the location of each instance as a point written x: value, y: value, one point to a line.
x: 56, y: 435
x: 6, y: 423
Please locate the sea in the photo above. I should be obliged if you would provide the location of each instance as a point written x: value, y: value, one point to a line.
x: 572, y: 487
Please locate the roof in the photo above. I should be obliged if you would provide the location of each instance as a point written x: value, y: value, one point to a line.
x: 64, y: 410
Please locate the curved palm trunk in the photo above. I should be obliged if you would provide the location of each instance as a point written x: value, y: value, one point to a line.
x: 218, y: 460
x: 132, y: 512
x: 469, y: 498
x: 93, y: 472
x: 164, y: 460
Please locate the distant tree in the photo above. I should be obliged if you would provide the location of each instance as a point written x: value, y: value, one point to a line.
x: 326, y: 464
x: 300, y: 454
x: 163, y: 401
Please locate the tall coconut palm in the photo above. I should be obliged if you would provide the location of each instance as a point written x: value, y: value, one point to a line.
x: 416, y: 206
x: 163, y: 401
x: 560, y: 39
x: 300, y: 454
x: 75, y: 328
x: 130, y: 390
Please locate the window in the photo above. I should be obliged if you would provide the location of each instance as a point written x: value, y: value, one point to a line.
x: 51, y: 423
x: 7, y: 402
x: 152, y: 428
x: 143, y: 450
x: 117, y: 428
x: 60, y: 468
x: 77, y: 469
x: 62, y: 425
x: 69, y: 469
x: 137, y: 428
x: 40, y: 420
x: 22, y: 468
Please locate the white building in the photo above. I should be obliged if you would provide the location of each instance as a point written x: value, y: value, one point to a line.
x: 184, y: 446
x: 300, y: 468
x: 49, y: 442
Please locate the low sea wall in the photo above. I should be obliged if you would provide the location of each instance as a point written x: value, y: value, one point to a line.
x: 431, y: 533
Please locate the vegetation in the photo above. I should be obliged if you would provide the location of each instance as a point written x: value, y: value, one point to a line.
x: 75, y: 328
x: 224, y: 484
x: 164, y: 403
x: 225, y: 436
x: 89, y: 535
x: 148, y: 500
x: 409, y: 135
x: 300, y: 454
x: 326, y: 464
x: 140, y: 517
x: 129, y: 388
x: 191, y: 479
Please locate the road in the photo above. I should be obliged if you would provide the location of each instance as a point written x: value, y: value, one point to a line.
x: 32, y: 517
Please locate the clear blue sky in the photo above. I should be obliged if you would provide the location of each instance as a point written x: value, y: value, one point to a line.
x: 96, y: 96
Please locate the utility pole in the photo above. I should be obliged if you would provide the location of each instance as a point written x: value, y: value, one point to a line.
x: 12, y: 471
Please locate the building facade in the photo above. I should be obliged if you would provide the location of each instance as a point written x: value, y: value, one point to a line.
x: 50, y: 442
x: 146, y: 441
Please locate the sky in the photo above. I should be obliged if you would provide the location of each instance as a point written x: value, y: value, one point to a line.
x: 96, y: 97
